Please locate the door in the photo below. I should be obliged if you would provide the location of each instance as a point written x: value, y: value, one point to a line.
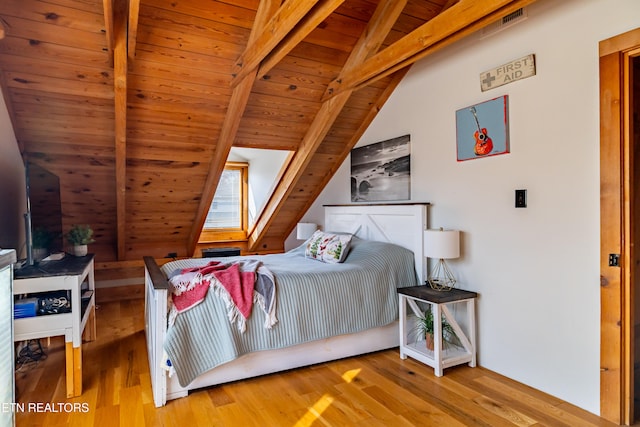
x: 617, y: 229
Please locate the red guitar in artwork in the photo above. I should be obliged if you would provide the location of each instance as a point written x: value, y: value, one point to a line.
x: 484, y: 145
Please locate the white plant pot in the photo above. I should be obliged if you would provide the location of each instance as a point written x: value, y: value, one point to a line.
x: 80, y: 250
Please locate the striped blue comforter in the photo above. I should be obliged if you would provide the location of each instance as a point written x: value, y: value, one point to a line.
x: 315, y: 300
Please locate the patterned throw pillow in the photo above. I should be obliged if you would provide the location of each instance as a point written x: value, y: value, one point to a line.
x: 328, y: 247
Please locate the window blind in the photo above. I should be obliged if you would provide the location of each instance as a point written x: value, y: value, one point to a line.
x: 225, y: 208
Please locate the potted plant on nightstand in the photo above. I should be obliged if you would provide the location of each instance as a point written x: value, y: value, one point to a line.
x: 425, y: 328
x: 80, y: 236
x: 41, y: 240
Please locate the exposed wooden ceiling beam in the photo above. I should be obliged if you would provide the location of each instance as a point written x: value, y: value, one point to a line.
x: 448, y: 4
x: 278, y: 27
x: 133, y: 7
x: 235, y: 111
x: 379, y: 26
x: 309, y: 23
x: 457, y: 21
x: 120, y: 78
x: 374, y: 34
x: 107, y: 6
x: 132, y: 30
x: 120, y: 92
x: 121, y: 24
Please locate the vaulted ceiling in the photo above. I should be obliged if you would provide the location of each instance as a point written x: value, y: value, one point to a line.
x: 135, y: 104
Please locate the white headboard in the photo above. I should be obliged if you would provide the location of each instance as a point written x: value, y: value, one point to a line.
x: 401, y: 224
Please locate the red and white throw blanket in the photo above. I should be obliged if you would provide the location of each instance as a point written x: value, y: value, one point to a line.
x: 240, y: 284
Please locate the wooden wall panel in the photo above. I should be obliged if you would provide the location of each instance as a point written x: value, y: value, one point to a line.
x: 52, y: 52
x: 32, y: 30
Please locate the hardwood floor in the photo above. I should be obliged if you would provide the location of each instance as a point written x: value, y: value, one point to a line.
x: 377, y: 389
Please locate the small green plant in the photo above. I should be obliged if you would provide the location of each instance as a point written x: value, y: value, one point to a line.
x: 41, y: 238
x: 80, y: 235
x: 425, y: 326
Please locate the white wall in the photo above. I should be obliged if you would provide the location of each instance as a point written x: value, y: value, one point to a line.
x: 12, y: 186
x: 536, y: 269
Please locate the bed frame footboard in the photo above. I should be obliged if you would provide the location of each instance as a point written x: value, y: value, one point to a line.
x: 155, y: 316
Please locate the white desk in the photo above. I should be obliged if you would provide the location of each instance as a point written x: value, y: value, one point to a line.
x: 67, y: 274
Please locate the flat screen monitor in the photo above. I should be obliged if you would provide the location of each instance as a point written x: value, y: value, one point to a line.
x: 44, y: 208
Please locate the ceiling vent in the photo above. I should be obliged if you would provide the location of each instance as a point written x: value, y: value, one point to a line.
x: 505, y: 22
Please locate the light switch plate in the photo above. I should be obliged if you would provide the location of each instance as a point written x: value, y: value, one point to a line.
x: 521, y: 198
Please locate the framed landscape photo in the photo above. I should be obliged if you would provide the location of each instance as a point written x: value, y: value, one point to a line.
x: 482, y: 130
x: 382, y: 171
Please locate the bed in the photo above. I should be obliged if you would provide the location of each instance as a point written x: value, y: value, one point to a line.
x: 364, y: 321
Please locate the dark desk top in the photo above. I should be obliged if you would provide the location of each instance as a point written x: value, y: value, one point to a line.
x: 426, y: 293
x: 70, y: 265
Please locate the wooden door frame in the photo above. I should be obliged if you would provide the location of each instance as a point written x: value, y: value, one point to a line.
x: 616, y: 228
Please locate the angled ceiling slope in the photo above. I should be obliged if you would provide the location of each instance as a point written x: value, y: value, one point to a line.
x: 135, y: 104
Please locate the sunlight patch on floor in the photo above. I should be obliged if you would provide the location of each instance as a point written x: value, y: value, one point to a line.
x: 324, y: 402
x: 315, y: 411
x: 350, y: 375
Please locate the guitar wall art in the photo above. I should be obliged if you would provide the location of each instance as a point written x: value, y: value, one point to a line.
x: 482, y: 130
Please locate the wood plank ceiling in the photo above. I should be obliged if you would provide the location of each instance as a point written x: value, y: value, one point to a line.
x: 135, y: 104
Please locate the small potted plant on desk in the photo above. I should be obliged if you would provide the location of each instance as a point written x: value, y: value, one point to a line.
x: 425, y: 328
x: 80, y: 236
x: 41, y: 239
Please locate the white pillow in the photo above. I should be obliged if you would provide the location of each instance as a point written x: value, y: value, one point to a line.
x: 328, y: 247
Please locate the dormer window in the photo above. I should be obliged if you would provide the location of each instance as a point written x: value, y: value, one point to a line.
x: 227, y: 218
x: 240, y: 195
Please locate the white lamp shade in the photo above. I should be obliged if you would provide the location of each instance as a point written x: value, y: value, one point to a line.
x: 305, y: 230
x: 443, y: 244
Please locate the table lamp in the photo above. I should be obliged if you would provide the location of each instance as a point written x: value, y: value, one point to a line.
x: 305, y: 230
x: 441, y: 244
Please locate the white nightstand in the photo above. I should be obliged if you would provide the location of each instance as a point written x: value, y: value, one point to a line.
x: 439, y: 301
